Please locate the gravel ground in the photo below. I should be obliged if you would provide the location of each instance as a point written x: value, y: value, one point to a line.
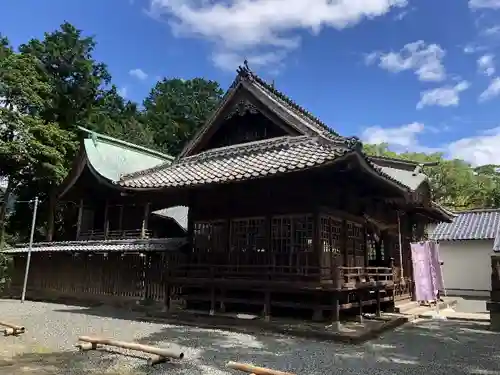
x: 470, y: 305
x: 47, y: 347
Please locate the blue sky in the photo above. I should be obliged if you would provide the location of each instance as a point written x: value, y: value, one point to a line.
x: 421, y: 75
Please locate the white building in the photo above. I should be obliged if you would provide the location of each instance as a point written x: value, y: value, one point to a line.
x: 466, y: 245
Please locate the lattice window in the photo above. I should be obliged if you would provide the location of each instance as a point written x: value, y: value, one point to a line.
x: 372, y: 250
x: 331, y: 234
x: 292, y: 234
x: 355, y: 245
x: 281, y: 234
x: 248, y: 235
x: 209, y: 236
x: 302, y: 229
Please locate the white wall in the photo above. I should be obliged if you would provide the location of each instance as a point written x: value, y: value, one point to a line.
x: 467, y: 266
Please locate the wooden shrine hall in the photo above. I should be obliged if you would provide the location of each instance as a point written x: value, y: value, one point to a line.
x: 284, y: 213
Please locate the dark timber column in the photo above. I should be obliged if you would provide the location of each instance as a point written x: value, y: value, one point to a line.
x: 120, y: 218
x: 106, y: 220
x: 494, y: 304
x: 271, y: 260
x: 318, y: 312
x: 145, y: 218
x: 79, y: 220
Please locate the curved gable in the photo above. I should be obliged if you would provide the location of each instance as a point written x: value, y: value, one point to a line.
x: 109, y: 159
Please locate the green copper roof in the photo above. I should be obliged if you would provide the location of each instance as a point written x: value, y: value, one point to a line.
x: 112, y: 158
x: 408, y: 178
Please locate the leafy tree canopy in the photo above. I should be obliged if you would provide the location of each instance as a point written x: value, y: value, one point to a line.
x: 454, y: 183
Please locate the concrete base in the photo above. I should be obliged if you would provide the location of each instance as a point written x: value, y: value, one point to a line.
x: 495, y: 321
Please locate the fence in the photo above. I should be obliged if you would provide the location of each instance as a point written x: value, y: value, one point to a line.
x: 85, y: 276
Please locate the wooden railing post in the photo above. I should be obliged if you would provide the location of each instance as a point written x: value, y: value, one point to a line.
x: 494, y: 303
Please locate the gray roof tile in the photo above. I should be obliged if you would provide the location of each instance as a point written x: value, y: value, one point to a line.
x: 241, y: 162
x: 471, y: 225
x: 160, y: 244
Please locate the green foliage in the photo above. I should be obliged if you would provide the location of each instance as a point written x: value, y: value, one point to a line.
x: 6, y: 265
x: 52, y: 85
x: 454, y: 183
x: 176, y: 108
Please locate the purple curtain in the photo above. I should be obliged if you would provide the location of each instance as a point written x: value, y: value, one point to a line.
x: 436, y: 271
x: 424, y: 285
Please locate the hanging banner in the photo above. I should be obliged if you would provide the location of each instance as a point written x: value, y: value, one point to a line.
x: 421, y: 258
x: 436, y: 271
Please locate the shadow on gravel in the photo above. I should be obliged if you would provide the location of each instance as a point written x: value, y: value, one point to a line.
x: 427, y: 347
x: 100, y: 362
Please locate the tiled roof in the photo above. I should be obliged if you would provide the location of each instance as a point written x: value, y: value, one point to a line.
x: 470, y: 225
x: 409, y: 178
x: 240, y: 162
x: 247, y: 161
x: 160, y: 244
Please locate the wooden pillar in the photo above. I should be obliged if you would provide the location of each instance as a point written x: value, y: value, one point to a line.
x: 106, y: 220
x: 120, y: 218
x: 145, y: 220
x: 316, y: 242
x: 344, y: 243
x: 79, y: 220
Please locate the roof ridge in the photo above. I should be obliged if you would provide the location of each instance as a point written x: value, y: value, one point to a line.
x: 268, y: 143
x: 129, y: 145
x: 244, y: 72
x: 389, y: 158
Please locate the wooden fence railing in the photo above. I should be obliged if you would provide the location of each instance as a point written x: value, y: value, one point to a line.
x: 346, y: 276
x: 100, y: 235
x: 133, y: 276
x: 144, y: 276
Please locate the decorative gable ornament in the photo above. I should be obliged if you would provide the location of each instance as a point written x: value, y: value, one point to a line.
x: 242, y: 108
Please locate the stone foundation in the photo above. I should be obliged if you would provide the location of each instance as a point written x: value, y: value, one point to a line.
x: 494, y: 308
x: 494, y: 304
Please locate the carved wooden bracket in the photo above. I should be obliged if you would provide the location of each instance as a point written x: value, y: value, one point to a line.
x: 242, y: 108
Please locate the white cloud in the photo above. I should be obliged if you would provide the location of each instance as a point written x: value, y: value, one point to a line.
x: 256, y: 27
x: 404, y: 136
x: 491, y: 31
x: 478, y: 150
x: 425, y: 60
x: 484, y: 4
x: 486, y: 65
x: 492, y: 91
x: 231, y: 60
x: 446, y: 96
x: 138, y: 73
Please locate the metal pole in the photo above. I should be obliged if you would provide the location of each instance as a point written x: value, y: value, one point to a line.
x: 400, y: 248
x: 28, y: 260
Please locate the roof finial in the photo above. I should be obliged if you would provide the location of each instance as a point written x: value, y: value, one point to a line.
x: 245, y: 64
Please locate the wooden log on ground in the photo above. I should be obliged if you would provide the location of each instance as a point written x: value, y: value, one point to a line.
x: 254, y: 369
x: 160, y: 355
x: 12, y: 329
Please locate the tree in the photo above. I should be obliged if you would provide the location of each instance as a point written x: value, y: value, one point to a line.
x: 175, y: 109
x: 116, y: 117
x: 76, y: 78
x: 31, y: 150
x: 76, y: 81
x: 454, y: 183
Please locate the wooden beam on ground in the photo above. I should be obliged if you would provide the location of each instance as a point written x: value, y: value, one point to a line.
x: 254, y: 370
x: 160, y: 355
x: 12, y: 329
